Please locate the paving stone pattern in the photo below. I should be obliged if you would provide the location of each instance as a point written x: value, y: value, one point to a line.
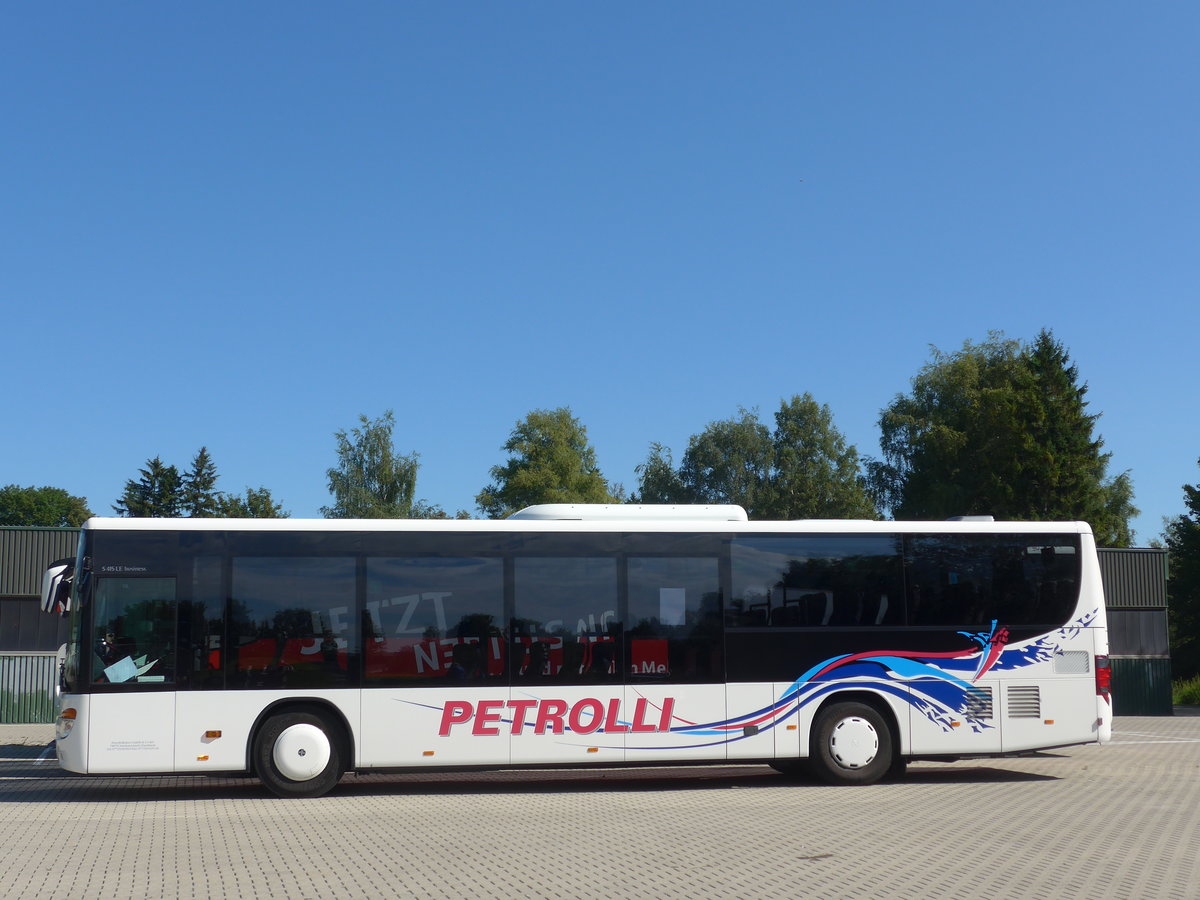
x: 1121, y: 821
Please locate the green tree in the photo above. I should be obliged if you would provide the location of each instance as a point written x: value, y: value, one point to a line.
x: 44, y: 506
x: 551, y: 461
x: 658, y: 479
x: 198, y: 489
x: 1002, y: 429
x: 814, y: 474
x: 1182, y: 537
x: 156, y: 493
x: 372, y: 480
x: 162, y: 491
x: 803, y: 469
x: 254, y: 504
x: 729, y: 462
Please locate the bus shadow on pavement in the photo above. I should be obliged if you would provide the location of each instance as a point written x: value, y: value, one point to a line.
x: 972, y: 775
x: 664, y: 781
x: 9, y: 752
x: 24, y: 781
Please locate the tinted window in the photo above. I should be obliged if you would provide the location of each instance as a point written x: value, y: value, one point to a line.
x: 434, y: 619
x: 134, y: 552
x: 565, y: 625
x: 675, y: 619
x: 293, y: 622
x: 201, y: 623
x: 1017, y: 580
x: 816, y: 580
x: 135, y: 631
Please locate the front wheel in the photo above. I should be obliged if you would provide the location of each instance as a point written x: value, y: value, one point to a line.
x: 298, y: 755
x: 851, y: 744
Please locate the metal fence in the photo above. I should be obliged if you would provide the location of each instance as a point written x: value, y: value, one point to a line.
x: 27, y: 681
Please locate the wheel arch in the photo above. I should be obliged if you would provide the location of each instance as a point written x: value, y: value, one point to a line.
x: 329, y: 711
x: 875, y: 700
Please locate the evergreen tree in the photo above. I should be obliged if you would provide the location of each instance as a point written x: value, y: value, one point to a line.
x: 1182, y: 538
x: 1000, y: 429
x: 551, y: 462
x: 198, y: 494
x: 162, y: 491
x: 1069, y: 469
x: 156, y: 493
x: 42, y: 506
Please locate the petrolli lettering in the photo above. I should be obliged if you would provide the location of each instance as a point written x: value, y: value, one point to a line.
x: 488, y: 717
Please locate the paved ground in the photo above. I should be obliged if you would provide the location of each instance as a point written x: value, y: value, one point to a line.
x: 1121, y: 821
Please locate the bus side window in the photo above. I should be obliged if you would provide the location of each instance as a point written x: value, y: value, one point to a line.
x: 566, y: 626
x: 970, y: 580
x: 135, y: 620
x: 816, y: 581
x: 675, y: 619
x: 293, y: 622
x: 434, y: 620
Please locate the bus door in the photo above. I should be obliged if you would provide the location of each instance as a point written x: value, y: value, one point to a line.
x: 133, y: 673
x: 566, y: 657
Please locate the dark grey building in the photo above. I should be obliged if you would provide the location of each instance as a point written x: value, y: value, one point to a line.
x: 24, y: 555
x: 29, y: 639
x: 1135, y: 593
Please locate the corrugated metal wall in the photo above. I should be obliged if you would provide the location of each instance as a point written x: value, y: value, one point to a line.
x: 1138, y: 632
x: 1134, y: 579
x: 1135, y: 595
x: 27, y: 688
x: 1141, y: 687
x: 25, y: 553
x: 27, y: 679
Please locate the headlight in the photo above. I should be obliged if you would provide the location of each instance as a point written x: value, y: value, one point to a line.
x: 66, y: 721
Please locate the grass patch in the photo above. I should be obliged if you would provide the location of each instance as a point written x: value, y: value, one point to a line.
x: 1186, y: 691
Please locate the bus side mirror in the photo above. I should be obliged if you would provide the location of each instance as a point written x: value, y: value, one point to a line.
x: 56, y: 587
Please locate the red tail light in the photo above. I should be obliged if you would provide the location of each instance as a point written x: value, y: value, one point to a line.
x: 1103, y: 677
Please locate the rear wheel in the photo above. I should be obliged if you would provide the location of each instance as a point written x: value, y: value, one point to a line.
x: 851, y: 744
x: 299, y: 754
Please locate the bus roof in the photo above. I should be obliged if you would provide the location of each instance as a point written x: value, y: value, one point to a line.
x: 648, y: 512
x: 587, y: 518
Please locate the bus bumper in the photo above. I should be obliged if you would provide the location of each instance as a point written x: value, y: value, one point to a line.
x: 70, y: 733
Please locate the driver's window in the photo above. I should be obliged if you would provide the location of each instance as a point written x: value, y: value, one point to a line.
x: 135, y: 631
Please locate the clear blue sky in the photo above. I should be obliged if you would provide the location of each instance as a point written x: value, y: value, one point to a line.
x: 242, y: 225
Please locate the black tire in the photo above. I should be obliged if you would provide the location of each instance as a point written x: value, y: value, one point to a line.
x: 851, y: 743
x: 898, y: 769
x: 299, y: 754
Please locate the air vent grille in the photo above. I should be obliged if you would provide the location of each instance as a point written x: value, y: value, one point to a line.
x: 978, y: 704
x: 1072, y: 662
x: 1024, y: 702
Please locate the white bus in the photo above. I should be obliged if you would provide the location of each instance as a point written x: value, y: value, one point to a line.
x: 573, y: 635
